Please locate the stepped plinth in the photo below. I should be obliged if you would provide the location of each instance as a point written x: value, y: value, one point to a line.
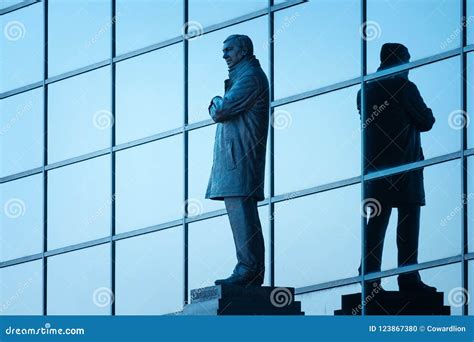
x: 395, y: 303
x: 243, y: 300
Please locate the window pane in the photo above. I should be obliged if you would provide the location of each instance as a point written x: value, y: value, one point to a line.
x: 470, y: 99
x: 149, y: 94
x: 21, y: 132
x: 322, y: 229
x: 79, y: 117
x: 323, y: 128
x: 207, y: 69
x: 200, y: 154
x: 208, y: 12
x: 78, y: 34
x: 311, y: 40
x: 149, y: 184
x: 79, y: 282
x: 214, y: 258
x: 150, y: 273
x: 21, y: 226
x: 410, y: 22
x: 21, y: 289
x: 325, y: 302
x: 146, y: 22
x: 79, y: 201
x: 440, y: 223
x: 446, y: 279
x: 21, y: 47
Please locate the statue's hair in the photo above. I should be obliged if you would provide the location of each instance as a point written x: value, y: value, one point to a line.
x: 244, y: 42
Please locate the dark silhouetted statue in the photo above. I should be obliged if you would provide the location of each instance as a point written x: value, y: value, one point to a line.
x: 395, y: 116
x: 238, y: 169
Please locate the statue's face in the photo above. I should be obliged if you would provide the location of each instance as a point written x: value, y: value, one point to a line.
x: 232, y: 53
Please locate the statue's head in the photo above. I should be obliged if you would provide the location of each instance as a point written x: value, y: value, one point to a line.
x: 393, y: 54
x: 237, y: 47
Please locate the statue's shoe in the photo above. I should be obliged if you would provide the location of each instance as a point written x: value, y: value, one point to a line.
x: 415, y: 286
x: 242, y: 279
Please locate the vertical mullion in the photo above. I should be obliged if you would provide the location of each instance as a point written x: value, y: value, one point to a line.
x: 112, y: 156
x: 271, y: 144
x: 185, y: 151
x: 464, y: 218
x: 45, y: 156
x: 363, y: 71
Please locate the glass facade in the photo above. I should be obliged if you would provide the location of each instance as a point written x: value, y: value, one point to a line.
x: 107, y: 147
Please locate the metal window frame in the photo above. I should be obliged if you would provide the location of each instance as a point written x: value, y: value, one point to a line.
x: 273, y: 198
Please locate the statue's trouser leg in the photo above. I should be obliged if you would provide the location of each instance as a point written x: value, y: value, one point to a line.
x: 375, y: 237
x: 408, y: 232
x: 247, y: 232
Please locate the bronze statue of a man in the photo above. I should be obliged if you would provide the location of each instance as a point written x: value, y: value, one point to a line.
x: 238, y: 169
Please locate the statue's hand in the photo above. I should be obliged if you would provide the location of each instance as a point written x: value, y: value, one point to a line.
x: 216, y: 101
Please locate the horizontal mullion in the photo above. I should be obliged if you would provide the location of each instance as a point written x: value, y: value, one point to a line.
x: 316, y: 92
x: 20, y: 90
x: 413, y: 166
x: 77, y: 159
x: 22, y: 174
x: 412, y: 65
x: 18, y: 6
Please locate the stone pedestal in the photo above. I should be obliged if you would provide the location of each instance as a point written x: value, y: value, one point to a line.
x: 240, y: 300
x: 395, y: 303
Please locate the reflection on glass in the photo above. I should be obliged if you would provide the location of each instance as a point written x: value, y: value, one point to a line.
x: 408, y: 22
x: 446, y: 279
x: 470, y: 99
x: 207, y: 69
x: 203, y: 13
x: 78, y: 34
x: 325, y: 302
x: 470, y: 19
x: 21, y: 224
x: 440, y: 86
x: 146, y: 22
x: 149, y: 184
x: 79, y: 282
x: 317, y: 238
x: 470, y: 203
x: 214, y: 258
x: 200, y: 154
x: 149, y: 94
x: 440, y: 227
x: 79, y: 117
x: 310, y: 40
x: 21, y: 289
x: 318, y: 140
x: 79, y: 201
x: 398, y: 121
x: 150, y: 273
x: 21, y: 47
x: 21, y: 132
